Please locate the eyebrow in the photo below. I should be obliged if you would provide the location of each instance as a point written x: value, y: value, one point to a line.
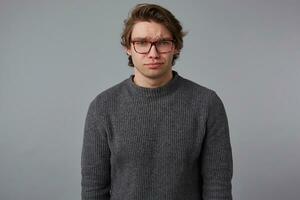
x: 150, y: 39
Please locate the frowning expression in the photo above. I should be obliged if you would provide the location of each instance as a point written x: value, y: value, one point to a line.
x: 156, y: 62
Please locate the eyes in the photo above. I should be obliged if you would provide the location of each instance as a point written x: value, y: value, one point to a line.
x: 157, y: 43
x: 142, y: 43
x: 143, y: 46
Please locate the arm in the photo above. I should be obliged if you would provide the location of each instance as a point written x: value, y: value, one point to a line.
x: 216, y: 160
x: 95, y: 158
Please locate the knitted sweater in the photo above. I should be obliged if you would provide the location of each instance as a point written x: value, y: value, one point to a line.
x: 166, y: 143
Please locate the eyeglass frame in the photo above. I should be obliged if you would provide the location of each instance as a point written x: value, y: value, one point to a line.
x: 153, y: 44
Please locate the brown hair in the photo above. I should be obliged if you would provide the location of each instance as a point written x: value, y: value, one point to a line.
x: 158, y: 14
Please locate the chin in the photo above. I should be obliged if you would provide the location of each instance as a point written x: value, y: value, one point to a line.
x: 157, y: 73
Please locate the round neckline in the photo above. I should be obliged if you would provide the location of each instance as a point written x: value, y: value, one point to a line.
x: 145, y: 92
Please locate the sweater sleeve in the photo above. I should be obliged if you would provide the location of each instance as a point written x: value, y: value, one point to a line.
x: 95, y: 158
x: 216, y: 157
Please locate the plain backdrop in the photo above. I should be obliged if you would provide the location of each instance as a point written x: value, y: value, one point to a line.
x: 57, y: 55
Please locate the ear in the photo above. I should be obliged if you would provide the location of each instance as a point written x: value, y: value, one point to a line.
x: 128, y: 51
x: 176, y: 51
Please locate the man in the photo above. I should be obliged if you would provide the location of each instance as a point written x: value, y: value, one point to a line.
x: 156, y: 135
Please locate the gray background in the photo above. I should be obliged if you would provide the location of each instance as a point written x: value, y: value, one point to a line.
x: 55, y: 56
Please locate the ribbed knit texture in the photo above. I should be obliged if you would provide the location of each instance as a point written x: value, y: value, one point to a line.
x: 166, y: 143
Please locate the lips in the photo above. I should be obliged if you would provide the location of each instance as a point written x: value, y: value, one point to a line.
x: 153, y: 65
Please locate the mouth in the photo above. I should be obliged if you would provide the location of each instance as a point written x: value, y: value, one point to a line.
x: 153, y: 65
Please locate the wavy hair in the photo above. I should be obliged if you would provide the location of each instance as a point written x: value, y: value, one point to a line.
x: 155, y: 13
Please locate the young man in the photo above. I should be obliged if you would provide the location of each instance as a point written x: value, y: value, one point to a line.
x: 156, y: 135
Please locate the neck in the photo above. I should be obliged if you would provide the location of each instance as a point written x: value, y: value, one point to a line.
x: 148, y: 82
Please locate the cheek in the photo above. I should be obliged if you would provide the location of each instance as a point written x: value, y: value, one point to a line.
x: 169, y: 58
x: 137, y: 57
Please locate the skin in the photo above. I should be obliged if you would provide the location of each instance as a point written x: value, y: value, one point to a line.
x: 154, y: 69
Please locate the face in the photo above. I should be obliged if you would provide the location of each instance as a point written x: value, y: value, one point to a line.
x: 152, y: 65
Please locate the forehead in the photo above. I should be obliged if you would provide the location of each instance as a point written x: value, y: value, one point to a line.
x: 150, y: 30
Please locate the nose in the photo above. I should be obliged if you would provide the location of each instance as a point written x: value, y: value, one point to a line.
x: 153, y: 53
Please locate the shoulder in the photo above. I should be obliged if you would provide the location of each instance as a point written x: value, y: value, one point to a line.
x: 108, y: 97
x: 198, y: 94
x: 201, y: 96
x: 197, y: 90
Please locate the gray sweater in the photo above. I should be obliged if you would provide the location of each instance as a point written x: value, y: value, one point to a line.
x: 166, y: 143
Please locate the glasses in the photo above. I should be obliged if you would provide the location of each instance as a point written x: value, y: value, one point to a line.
x: 144, y: 47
